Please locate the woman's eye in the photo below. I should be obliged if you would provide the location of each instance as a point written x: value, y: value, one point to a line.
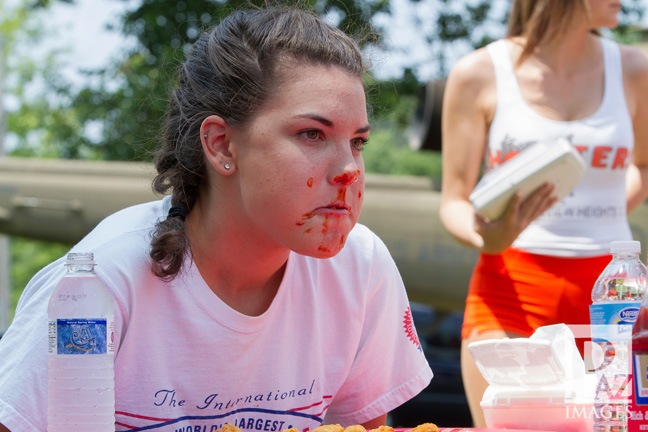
x: 359, y: 143
x: 312, y: 135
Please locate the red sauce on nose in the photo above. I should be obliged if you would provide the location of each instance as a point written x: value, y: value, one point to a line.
x: 347, y: 178
x: 309, y: 182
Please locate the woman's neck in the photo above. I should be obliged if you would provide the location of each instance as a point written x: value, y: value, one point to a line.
x: 242, y: 271
x: 568, y: 54
x: 563, y: 81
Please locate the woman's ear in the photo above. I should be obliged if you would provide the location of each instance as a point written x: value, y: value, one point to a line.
x: 215, y: 137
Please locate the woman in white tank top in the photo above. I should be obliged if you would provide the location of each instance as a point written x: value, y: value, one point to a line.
x: 552, y: 76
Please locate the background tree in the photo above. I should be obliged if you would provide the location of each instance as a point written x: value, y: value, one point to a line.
x: 164, y: 31
x: 41, y: 118
x: 447, y: 29
x: 33, y: 89
x: 127, y: 98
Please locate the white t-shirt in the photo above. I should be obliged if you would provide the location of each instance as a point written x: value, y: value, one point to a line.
x: 337, y: 344
x: 594, y: 214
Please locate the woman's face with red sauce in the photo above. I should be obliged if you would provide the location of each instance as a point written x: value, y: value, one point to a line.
x: 299, y: 161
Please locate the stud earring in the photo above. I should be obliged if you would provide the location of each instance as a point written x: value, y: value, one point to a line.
x: 205, y: 135
x: 227, y: 166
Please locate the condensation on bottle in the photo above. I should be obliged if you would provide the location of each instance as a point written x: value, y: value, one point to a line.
x: 81, y: 383
x: 616, y: 299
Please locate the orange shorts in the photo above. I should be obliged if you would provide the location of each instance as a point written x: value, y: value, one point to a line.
x: 518, y: 292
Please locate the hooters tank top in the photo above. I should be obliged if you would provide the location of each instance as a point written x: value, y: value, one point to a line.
x: 594, y: 214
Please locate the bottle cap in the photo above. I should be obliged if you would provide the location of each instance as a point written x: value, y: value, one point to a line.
x: 83, y: 258
x: 625, y: 247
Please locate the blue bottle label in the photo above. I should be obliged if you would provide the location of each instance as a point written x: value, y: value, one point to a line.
x: 613, y: 321
x: 81, y: 336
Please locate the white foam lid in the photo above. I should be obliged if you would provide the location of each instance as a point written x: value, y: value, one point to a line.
x: 527, y: 371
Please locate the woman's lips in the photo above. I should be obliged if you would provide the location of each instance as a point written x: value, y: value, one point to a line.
x: 334, y: 209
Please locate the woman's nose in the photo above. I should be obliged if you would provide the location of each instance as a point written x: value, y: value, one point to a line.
x: 348, y: 177
x: 345, y: 168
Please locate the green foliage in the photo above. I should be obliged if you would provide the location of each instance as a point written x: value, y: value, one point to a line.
x: 456, y: 26
x: 628, y: 31
x: 28, y: 256
x: 632, y: 12
x: 395, y: 100
x: 127, y: 99
x: 388, y: 153
x: 131, y: 115
x: 46, y: 123
x: 392, y: 105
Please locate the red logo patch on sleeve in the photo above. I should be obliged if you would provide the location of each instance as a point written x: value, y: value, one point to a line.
x: 408, y: 325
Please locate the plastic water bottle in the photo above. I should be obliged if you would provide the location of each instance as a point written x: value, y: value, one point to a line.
x: 81, y: 385
x: 616, y: 299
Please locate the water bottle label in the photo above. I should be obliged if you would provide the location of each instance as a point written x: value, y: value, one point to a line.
x: 81, y: 336
x: 613, y: 321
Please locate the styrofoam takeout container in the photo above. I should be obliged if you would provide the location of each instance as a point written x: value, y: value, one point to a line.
x: 529, y: 389
x: 556, y: 162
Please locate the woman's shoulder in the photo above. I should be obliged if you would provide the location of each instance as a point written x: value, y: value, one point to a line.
x: 137, y: 218
x: 634, y: 61
x: 471, y: 85
x: 123, y: 238
x: 472, y: 80
x: 474, y: 68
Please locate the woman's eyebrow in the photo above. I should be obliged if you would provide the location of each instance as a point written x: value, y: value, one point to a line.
x: 329, y: 123
x: 318, y: 118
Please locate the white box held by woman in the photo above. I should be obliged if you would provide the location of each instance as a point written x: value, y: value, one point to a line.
x: 556, y: 162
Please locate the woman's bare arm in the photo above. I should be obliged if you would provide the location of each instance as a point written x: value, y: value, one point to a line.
x: 468, y: 92
x: 469, y: 105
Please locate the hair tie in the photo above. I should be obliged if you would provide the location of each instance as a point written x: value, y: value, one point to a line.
x: 177, y: 211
